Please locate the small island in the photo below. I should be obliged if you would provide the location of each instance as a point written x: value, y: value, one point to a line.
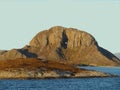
x: 56, y: 53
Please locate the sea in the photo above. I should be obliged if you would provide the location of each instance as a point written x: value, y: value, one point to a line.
x: 106, y: 83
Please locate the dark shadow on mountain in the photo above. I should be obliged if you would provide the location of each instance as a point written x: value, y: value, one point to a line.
x: 60, y: 53
x: 63, y: 44
x: 27, y: 53
x: 64, y: 40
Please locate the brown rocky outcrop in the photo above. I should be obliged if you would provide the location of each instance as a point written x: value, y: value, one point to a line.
x: 16, y: 53
x: 66, y: 45
x: 72, y: 46
x: 12, y: 54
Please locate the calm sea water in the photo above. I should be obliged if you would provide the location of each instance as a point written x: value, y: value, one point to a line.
x: 67, y: 84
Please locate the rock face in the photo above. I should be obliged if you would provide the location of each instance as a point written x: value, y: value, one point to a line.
x: 71, y: 46
x: 66, y: 45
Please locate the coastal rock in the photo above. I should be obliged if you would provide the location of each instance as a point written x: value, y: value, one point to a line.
x: 36, y: 74
x: 37, y: 69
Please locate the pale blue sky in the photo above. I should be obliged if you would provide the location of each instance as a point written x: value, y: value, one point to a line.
x: 21, y: 20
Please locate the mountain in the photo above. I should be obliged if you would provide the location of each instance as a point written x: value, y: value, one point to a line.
x: 72, y: 46
x: 117, y: 55
x: 65, y: 45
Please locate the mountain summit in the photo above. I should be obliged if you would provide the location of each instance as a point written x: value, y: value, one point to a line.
x: 66, y: 45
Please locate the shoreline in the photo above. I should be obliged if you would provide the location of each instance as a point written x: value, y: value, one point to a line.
x: 115, y: 76
x: 38, y: 69
x: 53, y: 74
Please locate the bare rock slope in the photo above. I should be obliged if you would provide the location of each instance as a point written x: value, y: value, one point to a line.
x: 66, y: 45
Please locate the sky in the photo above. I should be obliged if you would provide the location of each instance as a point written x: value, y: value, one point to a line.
x: 21, y: 20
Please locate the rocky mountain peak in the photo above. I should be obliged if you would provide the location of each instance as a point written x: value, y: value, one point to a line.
x: 62, y: 37
x: 66, y: 45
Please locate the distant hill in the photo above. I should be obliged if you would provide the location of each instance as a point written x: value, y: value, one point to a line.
x: 65, y: 45
x: 117, y: 55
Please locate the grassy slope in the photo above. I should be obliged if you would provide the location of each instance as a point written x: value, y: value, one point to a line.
x: 32, y: 64
x: 17, y: 69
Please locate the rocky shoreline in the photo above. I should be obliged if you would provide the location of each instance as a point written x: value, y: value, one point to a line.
x: 36, y: 74
x: 56, y: 53
x: 39, y: 69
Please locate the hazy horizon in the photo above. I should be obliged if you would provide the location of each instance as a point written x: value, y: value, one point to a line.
x: 21, y: 20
